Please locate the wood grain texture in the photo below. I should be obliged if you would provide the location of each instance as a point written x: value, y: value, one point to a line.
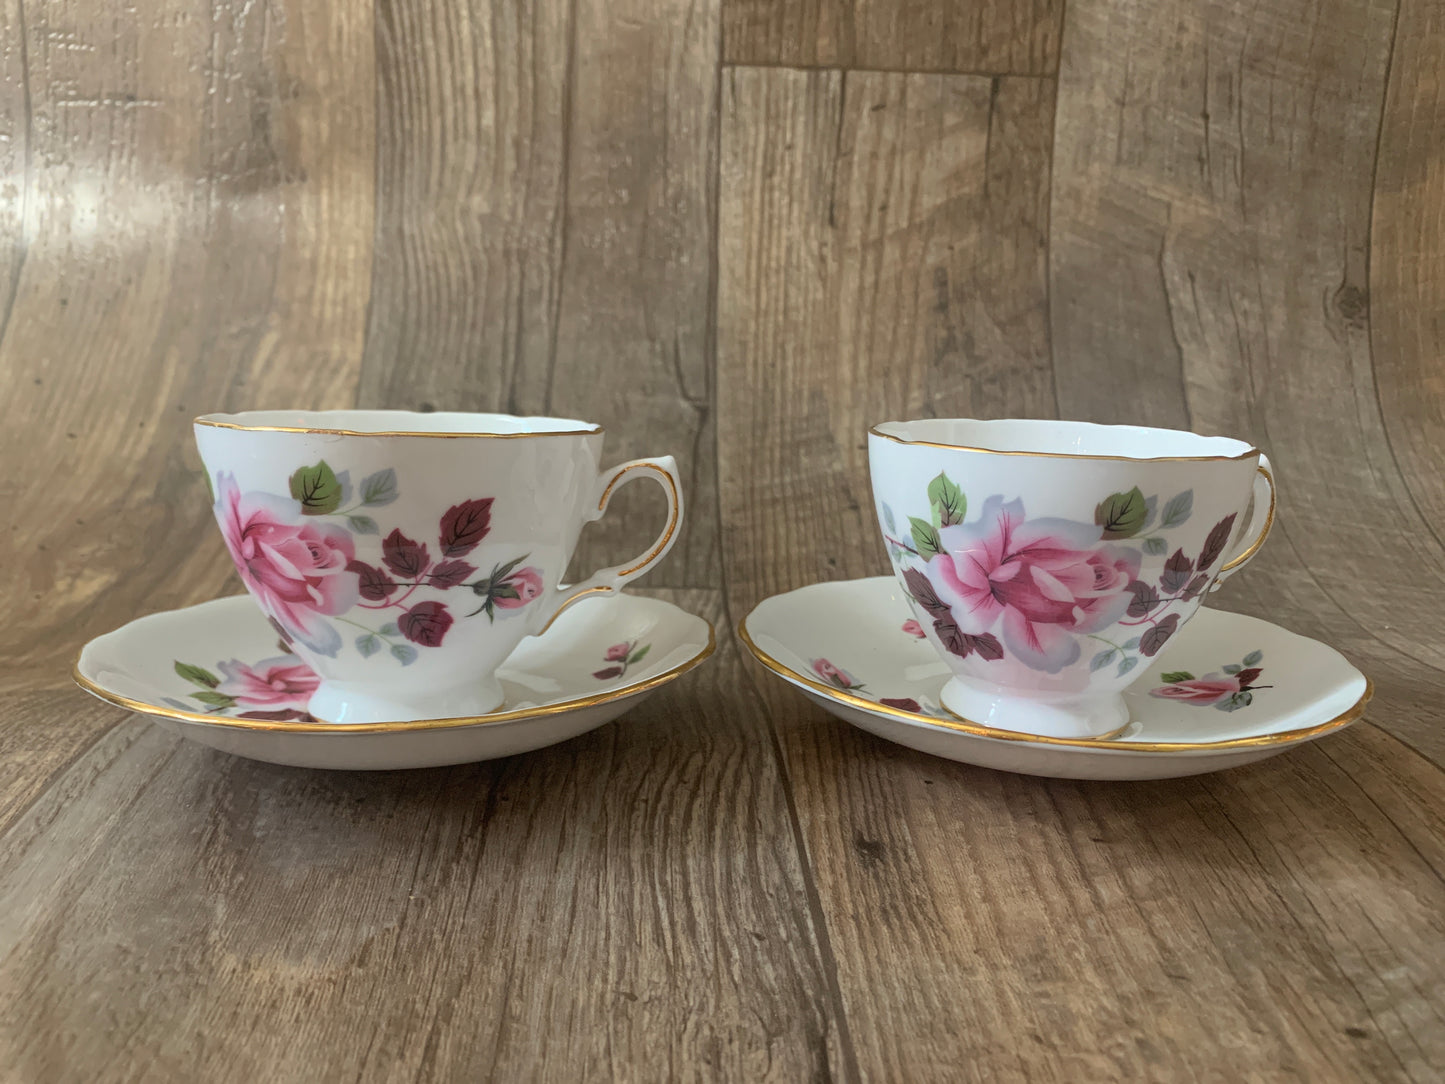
x: 191, y: 237
x: 1209, y: 250
x: 544, y: 232
x: 629, y: 904
x: 990, y: 37
x: 881, y: 254
x: 1223, y: 216
x: 1407, y: 258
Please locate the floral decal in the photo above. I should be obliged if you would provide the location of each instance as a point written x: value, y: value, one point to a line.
x: 1228, y: 691
x: 913, y: 628
x: 277, y: 688
x: 1034, y: 589
x: 297, y: 554
x: 840, y: 679
x: 835, y: 676
x: 621, y: 656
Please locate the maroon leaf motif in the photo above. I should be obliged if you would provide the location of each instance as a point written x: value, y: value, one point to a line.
x: 1196, y: 585
x: 610, y: 672
x: 1153, y: 640
x: 924, y: 594
x: 1215, y: 543
x: 450, y: 573
x: 426, y: 623
x: 406, y: 559
x: 987, y: 646
x: 465, y: 525
x: 375, y: 584
x: 905, y: 703
x: 1176, y: 573
x: 1145, y: 599
x: 1246, y: 677
x: 953, y: 639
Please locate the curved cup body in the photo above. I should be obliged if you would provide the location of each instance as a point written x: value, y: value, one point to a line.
x: 1049, y: 562
x: 402, y: 556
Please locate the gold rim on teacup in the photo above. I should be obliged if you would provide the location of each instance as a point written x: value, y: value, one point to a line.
x: 226, y: 421
x: 877, y: 431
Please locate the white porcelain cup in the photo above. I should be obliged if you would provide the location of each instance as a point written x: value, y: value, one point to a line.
x: 1049, y: 563
x: 403, y: 556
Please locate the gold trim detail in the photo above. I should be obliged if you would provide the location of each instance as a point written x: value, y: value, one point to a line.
x: 1107, y: 742
x: 674, y: 516
x: 204, y: 420
x: 875, y: 431
x: 390, y: 728
x: 1231, y: 565
x: 599, y: 589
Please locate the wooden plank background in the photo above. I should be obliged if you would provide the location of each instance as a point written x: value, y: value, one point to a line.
x: 738, y: 232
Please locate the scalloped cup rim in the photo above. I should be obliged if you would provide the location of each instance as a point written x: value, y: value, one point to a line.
x: 1063, y: 439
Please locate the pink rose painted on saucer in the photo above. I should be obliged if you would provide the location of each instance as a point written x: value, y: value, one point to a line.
x: 622, y: 656
x: 1003, y: 585
x: 835, y: 676
x: 278, y: 688
x: 1228, y: 691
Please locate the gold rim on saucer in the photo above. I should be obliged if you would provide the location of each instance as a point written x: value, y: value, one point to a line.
x: 1109, y: 742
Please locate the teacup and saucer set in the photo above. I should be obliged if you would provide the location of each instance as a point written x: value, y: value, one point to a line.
x: 1046, y: 614
x: 406, y: 606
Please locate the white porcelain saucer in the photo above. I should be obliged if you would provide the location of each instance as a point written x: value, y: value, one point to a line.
x: 1230, y: 689
x: 216, y: 673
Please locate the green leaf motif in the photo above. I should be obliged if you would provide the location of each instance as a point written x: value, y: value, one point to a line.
x: 317, y: 489
x: 197, y: 675
x: 638, y: 655
x: 888, y: 520
x: 1122, y: 514
x: 1177, y: 510
x: 1131, y: 643
x: 404, y: 652
x: 1233, y: 668
x: 1150, y: 507
x: 215, y: 700
x: 947, y: 501
x: 363, y: 525
x: 1127, y: 663
x: 1155, y: 546
x: 1241, y: 699
x: 1169, y: 677
x: 1254, y: 658
x: 1102, y: 659
x: 389, y: 629
x: 925, y: 538
x: 368, y: 644
x: 379, y: 488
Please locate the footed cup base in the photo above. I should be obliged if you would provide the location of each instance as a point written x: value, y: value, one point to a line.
x: 345, y: 702
x: 1049, y: 716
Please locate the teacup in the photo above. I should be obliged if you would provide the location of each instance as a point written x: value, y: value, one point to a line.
x: 1050, y: 563
x: 403, y: 556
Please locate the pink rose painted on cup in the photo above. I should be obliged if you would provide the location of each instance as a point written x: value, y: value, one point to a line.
x: 525, y: 585
x: 268, y: 685
x: 1042, y: 583
x: 618, y: 652
x: 295, y: 568
x: 913, y: 628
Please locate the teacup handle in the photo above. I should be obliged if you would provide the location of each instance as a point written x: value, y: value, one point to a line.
x: 1259, y: 523
x: 663, y: 471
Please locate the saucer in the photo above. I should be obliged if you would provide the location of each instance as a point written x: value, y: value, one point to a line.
x: 217, y: 674
x: 1229, y: 690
